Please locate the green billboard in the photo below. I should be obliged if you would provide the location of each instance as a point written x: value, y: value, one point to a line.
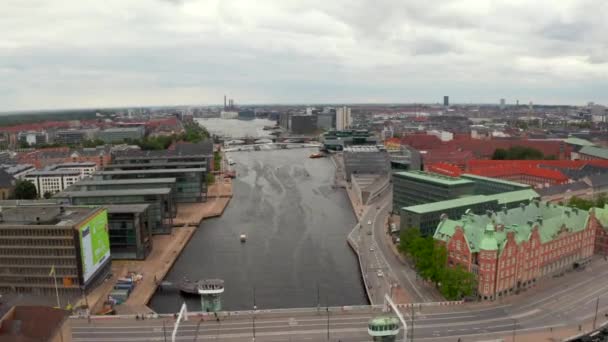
x: 94, y: 244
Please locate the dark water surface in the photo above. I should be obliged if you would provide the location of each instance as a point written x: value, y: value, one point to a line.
x: 296, y: 226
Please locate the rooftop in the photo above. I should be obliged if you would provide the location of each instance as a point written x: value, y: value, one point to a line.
x: 595, y: 151
x: 144, y: 165
x: 579, y: 142
x: 106, y: 193
x: 90, y: 181
x: 449, y: 204
x: 548, y: 217
x: 361, y: 148
x: 121, y: 130
x: 126, y: 208
x: 81, y: 164
x: 50, y: 214
x: 495, y: 180
x: 53, y: 173
x: 131, y: 172
x: 433, y: 178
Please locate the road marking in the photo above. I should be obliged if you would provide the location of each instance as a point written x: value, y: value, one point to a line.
x: 528, y: 313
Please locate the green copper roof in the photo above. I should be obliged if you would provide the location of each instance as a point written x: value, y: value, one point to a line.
x: 433, y: 178
x: 602, y: 215
x: 495, y: 180
x: 549, y: 218
x: 514, y: 196
x: 579, y: 142
x: 448, y: 204
x: 488, y: 241
x: 595, y: 151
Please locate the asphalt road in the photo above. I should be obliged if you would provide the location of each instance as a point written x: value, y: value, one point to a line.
x: 566, y: 301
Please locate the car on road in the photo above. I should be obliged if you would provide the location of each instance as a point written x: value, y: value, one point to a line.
x: 369, y: 232
x: 369, y: 222
x: 371, y: 249
x: 379, y: 273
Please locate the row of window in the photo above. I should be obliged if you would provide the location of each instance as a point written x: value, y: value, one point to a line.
x: 38, y: 232
x: 69, y: 242
x: 45, y: 252
x: 37, y: 261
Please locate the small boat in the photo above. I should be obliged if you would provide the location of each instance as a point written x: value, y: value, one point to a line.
x: 243, y: 238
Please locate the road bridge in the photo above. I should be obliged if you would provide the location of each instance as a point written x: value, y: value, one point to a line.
x: 269, y: 146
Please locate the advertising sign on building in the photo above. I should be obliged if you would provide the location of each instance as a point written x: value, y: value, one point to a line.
x: 94, y: 244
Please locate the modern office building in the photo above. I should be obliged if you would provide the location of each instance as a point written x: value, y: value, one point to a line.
x: 427, y: 216
x: 113, y: 135
x: 86, y: 169
x: 38, y: 241
x: 7, y: 185
x: 490, y: 186
x: 365, y: 160
x: 52, y: 181
x: 417, y: 187
x: 512, y: 249
x: 129, y: 230
x: 405, y: 158
x: 70, y: 136
x: 172, y: 164
x: 190, y: 184
x: 326, y: 122
x: 179, y: 152
x: 303, y: 124
x: 162, y: 207
x: 337, y: 140
x: 344, y: 119
x: 93, y: 184
x: 446, y: 101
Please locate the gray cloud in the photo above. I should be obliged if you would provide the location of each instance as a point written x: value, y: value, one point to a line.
x: 64, y: 53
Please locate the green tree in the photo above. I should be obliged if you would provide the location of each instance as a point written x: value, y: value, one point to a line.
x: 407, y: 238
x: 25, y: 189
x: 499, y: 154
x: 456, y: 283
x: 210, y: 178
x: 93, y: 143
x: 47, y: 195
x: 217, y: 160
x: 580, y: 203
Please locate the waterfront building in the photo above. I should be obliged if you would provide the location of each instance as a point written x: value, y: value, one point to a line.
x: 52, y: 181
x: 70, y: 241
x: 129, y: 230
x: 162, y: 207
x: 417, y: 187
x: 92, y: 184
x: 120, y: 134
x: 337, y: 140
x: 344, y: 119
x: 512, y: 249
x: 86, y: 169
x: 173, y: 164
x: 326, y: 121
x: 365, y: 160
x: 179, y: 152
x: 404, y: 158
x: 190, y: 183
x: 303, y: 124
x: 427, y: 216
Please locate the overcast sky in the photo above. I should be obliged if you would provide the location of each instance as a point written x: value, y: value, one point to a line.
x: 81, y: 53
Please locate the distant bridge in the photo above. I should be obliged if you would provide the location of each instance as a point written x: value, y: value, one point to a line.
x: 270, y: 146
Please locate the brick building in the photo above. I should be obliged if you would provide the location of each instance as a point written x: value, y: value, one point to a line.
x: 42, y: 158
x: 512, y: 249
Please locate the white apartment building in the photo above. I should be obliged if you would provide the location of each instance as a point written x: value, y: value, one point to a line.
x: 343, y: 118
x: 53, y: 181
x: 85, y: 169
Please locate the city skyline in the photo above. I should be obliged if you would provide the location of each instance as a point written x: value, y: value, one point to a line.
x: 67, y: 54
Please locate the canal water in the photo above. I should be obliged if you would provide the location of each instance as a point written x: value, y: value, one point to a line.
x: 237, y: 128
x: 296, y: 253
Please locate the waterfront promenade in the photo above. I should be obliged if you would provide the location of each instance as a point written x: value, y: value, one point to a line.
x: 165, y: 251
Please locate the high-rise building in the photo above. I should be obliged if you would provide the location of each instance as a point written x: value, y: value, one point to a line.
x: 446, y: 101
x: 502, y: 103
x: 343, y: 118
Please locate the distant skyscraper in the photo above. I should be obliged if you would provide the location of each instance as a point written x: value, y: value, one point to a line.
x: 517, y: 102
x: 343, y: 118
x: 502, y: 103
x: 446, y: 101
